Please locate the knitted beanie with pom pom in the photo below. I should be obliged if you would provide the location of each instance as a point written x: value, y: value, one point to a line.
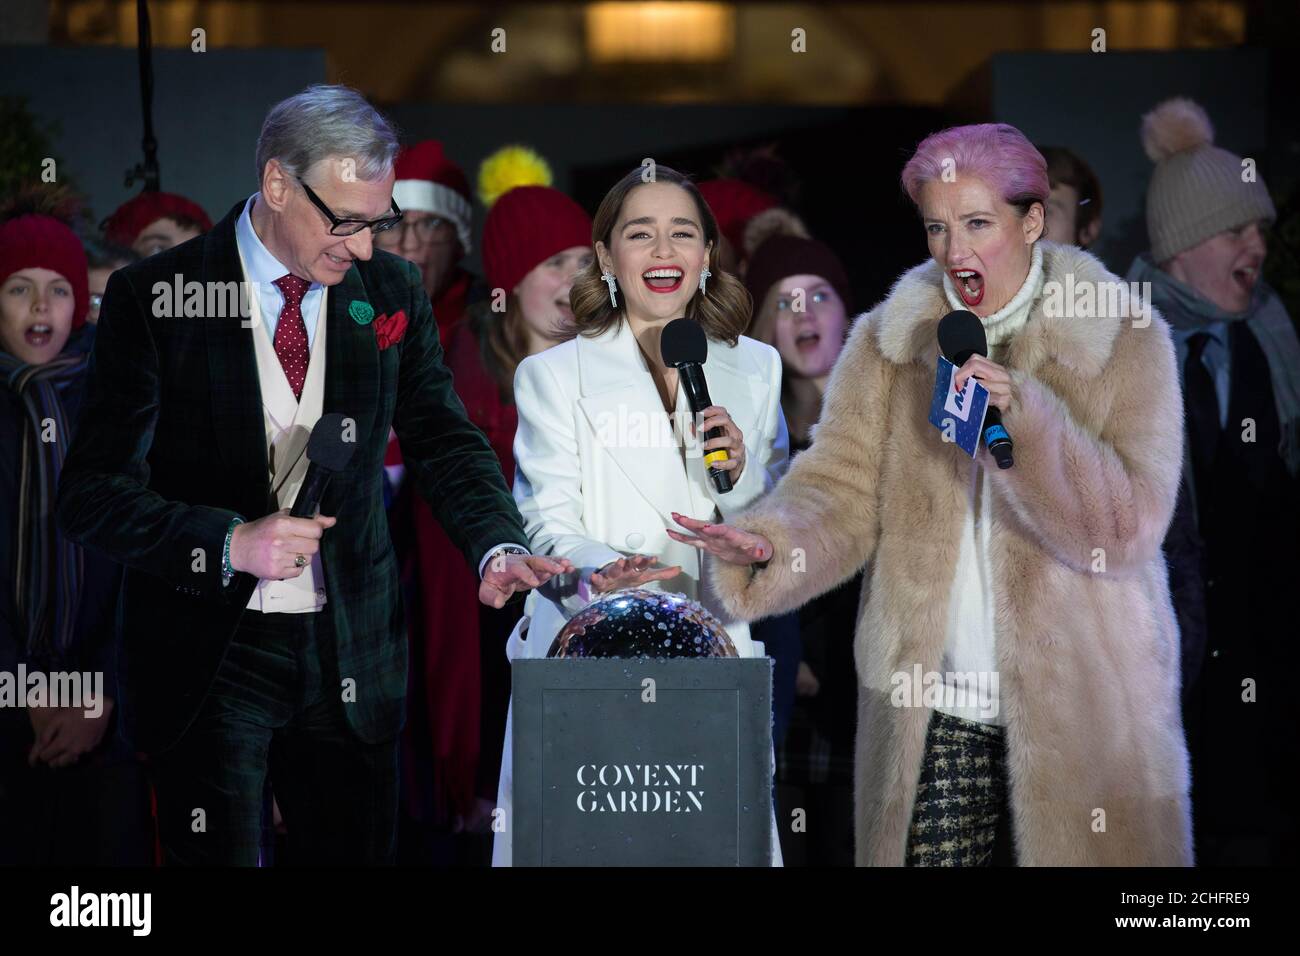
x: 528, y: 221
x: 1197, y: 189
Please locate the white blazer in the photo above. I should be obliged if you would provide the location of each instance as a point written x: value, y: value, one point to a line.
x: 600, y: 469
x: 598, y: 473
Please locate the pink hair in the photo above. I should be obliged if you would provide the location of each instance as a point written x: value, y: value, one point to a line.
x: 997, y: 153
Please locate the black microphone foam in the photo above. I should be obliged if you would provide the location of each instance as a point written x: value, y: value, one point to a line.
x: 961, y: 335
x: 326, y: 446
x: 683, y: 341
x: 328, y: 452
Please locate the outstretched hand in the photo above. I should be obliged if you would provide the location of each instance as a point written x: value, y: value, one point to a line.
x: 629, y: 572
x: 723, y: 541
x: 508, y: 573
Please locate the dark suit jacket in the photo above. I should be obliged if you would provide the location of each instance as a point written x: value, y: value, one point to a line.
x: 171, y: 445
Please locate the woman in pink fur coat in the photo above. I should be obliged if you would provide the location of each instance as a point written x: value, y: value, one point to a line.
x: 1016, y: 648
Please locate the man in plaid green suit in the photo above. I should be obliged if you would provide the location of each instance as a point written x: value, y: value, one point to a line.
x: 253, y: 641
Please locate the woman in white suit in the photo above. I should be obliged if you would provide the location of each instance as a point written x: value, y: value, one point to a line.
x: 606, y: 450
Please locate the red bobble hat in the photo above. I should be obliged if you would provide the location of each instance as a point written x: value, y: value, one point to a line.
x: 34, y: 241
x: 427, y: 181
x: 525, y: 227
x: 734, y: 202
x: 124, y: 226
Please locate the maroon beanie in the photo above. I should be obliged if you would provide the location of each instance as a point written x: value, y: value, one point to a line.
x: 782, y: 256
x: 126, y: 223
x: 35, y: 241
x: 525, y: 227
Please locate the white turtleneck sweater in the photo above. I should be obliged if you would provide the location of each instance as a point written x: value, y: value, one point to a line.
x: 970, y: 645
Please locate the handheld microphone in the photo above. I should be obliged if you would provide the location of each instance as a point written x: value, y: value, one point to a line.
x: 683, y: 346
x: 961, y: 335
x: 328, y: 454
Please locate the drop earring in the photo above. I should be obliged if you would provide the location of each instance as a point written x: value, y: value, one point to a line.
x: 613, y: 285
x: 703, y: 276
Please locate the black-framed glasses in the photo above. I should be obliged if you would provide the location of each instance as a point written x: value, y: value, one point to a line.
x: 350, y: 227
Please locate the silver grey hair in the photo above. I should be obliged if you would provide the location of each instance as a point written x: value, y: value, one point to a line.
x: 324, y: 121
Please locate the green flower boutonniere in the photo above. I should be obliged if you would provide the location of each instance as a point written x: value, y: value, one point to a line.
x: 361, y: 312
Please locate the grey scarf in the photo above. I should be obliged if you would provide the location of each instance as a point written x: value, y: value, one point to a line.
x: 1186, y: 310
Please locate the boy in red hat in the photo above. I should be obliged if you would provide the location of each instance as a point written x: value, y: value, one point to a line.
x: 152, y: 222
x: 73, y: 792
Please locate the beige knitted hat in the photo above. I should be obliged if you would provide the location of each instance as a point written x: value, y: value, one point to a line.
x: 1197, y: 189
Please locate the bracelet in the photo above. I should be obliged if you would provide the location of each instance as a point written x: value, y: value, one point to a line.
x: 503, y: 550
x: 227, y: 571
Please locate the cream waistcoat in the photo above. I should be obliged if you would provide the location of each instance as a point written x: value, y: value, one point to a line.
x: 288, y: 423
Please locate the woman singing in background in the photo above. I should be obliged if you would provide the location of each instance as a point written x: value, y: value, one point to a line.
x: 601, y: 497
x: 1044, y: 581
x: 803, y: 309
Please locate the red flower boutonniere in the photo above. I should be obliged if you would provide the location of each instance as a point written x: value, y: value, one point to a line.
x: 389, y: 329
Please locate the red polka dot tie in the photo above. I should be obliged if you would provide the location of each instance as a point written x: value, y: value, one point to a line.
x: 291, y: 332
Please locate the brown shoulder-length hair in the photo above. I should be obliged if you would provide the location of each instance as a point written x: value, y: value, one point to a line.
x: 502, y: 342
x: 723, y: 311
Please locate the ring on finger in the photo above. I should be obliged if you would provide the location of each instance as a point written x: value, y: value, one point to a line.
x: 300, y: 561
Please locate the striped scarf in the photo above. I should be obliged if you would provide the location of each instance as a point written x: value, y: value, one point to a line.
x: 49, y: 568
